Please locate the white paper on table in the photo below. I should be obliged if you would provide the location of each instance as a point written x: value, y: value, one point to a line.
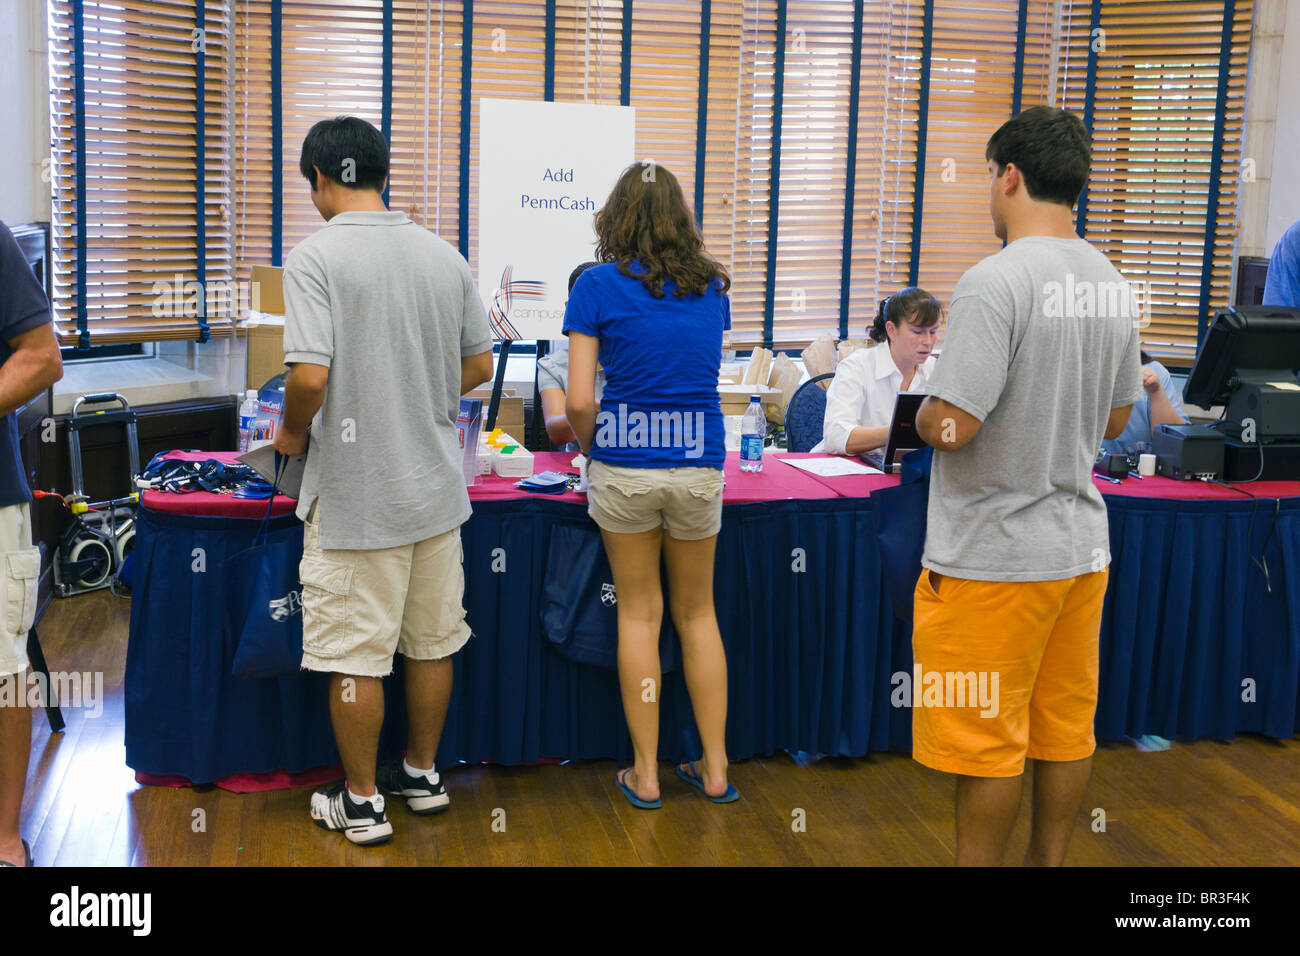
x: 832, y: 467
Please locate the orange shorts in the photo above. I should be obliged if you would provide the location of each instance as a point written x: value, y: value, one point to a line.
x: 1004, y: 670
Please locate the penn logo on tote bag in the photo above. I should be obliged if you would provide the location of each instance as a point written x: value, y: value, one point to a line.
x: 283, y: 608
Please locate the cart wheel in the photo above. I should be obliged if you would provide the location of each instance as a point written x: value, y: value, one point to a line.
x: 125, y: 545
x: 91, y: 561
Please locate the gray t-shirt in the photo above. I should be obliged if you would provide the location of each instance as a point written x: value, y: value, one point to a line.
x: 390, y: 309
x: 1042, y: 342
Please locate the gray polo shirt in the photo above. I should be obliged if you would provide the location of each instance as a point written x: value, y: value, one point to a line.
x: 1041, y: 344
x: 553, y: 372
x: 390, y: 309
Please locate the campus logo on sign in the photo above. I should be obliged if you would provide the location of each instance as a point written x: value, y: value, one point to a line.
x: 503, y: 297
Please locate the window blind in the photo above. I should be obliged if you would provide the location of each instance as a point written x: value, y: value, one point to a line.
x: 1166, y: 105
x: 140, y: 169
x: 1155, y: 77
x: 972, y: 85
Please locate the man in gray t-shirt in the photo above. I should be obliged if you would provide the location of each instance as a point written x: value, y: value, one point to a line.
x: 384, y: 331
x: 1039, y: 364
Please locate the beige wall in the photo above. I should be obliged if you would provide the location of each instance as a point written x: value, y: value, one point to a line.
x: 24, y: 111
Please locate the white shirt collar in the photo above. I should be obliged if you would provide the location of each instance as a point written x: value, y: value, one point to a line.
x: 885, y: 367
x: 884, y: 361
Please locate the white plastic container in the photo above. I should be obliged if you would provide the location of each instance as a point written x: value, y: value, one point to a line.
x: 516, y: 464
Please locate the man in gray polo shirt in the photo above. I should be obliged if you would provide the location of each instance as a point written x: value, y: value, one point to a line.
x: 1040, y: 362
x: 386, y: 315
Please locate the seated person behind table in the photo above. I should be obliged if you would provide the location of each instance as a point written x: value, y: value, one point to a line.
x: 553, y: 382
x: 860, y: 401
x: 1282, y: 284
x: 1161, y: 405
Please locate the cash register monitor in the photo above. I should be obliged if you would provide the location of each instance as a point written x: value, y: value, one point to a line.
x: 902, y: 433
x: 1245, y: 343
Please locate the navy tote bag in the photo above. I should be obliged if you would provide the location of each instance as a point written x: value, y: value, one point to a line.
x: 898, y: 515
x: 580, y: 603
x: 264, y: 613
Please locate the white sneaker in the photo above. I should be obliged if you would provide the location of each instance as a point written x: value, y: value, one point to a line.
x: 364, y: 825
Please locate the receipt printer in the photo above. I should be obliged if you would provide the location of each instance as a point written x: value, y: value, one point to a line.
x: 1188, y: 451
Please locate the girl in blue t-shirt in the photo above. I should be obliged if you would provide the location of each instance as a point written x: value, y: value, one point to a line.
x: 653, y: 314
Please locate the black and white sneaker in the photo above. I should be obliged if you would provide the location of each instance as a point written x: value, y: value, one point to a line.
x: 364, y: 825
x: 424, y: 794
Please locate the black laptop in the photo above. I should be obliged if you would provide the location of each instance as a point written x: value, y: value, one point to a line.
x: 902, y: 434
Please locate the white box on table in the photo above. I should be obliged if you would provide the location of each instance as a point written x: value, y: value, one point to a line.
x: 517, y: 464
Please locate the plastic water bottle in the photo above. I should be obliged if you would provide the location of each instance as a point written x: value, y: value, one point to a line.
x: 753, y: 429
x: 248, y: 418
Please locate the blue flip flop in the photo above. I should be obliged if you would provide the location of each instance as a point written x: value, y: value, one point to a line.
x: 693, y: 778
x: 632, y: 798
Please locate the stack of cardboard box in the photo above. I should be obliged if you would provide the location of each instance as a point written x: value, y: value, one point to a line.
x: 263, y: 328
x: 510, y: 411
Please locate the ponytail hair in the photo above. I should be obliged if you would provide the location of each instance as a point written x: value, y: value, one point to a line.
x: 912, y: 305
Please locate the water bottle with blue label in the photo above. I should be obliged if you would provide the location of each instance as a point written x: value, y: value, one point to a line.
x: 753, y: 429
x: 247, y: 419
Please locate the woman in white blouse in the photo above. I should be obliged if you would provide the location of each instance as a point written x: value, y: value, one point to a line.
x: 860, y: 401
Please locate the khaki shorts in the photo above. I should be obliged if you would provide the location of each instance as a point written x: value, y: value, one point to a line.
x: 359, y: 607
x: 22, y: 568
x: 686, y: 501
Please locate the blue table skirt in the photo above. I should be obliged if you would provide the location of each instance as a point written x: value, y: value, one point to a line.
x: 1189, y: 618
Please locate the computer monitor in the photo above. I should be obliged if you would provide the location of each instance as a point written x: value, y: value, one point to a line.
x: 1245, y: 339
x: 903, y: 436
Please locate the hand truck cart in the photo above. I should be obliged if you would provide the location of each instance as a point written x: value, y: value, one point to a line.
x: 101, y: 534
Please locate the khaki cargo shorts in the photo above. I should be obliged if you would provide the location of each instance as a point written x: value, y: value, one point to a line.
x: 21, y: 566
x: 685, y: 501
x: 359, y: 607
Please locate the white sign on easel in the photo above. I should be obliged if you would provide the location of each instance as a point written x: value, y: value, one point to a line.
x: 544, y: 170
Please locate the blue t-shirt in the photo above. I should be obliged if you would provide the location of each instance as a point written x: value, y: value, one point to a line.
x: 1138, y: 428
x: 660, y: 406
x: 1282, y: 285
x: 23, y: 307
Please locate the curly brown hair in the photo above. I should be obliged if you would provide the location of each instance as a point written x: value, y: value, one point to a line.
x: 646, y: 220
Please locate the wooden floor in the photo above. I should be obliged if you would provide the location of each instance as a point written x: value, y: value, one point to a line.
x: 1204, y: 803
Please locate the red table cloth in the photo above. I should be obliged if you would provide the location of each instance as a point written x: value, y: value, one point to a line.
x: 777, y: 481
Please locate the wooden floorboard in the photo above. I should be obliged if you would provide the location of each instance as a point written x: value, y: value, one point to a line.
x: 1204, y: 803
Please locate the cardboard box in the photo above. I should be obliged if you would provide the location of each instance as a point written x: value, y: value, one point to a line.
x: 264, y: 338
x: 735, y: 398
x: 267, y: 294
x: 510, y: 415
x: 510, y: 410
x: 264, y: 330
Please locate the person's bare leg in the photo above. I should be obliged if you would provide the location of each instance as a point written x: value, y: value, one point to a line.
x: 690, y: 596
x: 634, y: 559
x: 986, y: 812
x: 357, y: 713
x: 428, y: 694
x: 15, y: 748
x: 1058, y: 793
